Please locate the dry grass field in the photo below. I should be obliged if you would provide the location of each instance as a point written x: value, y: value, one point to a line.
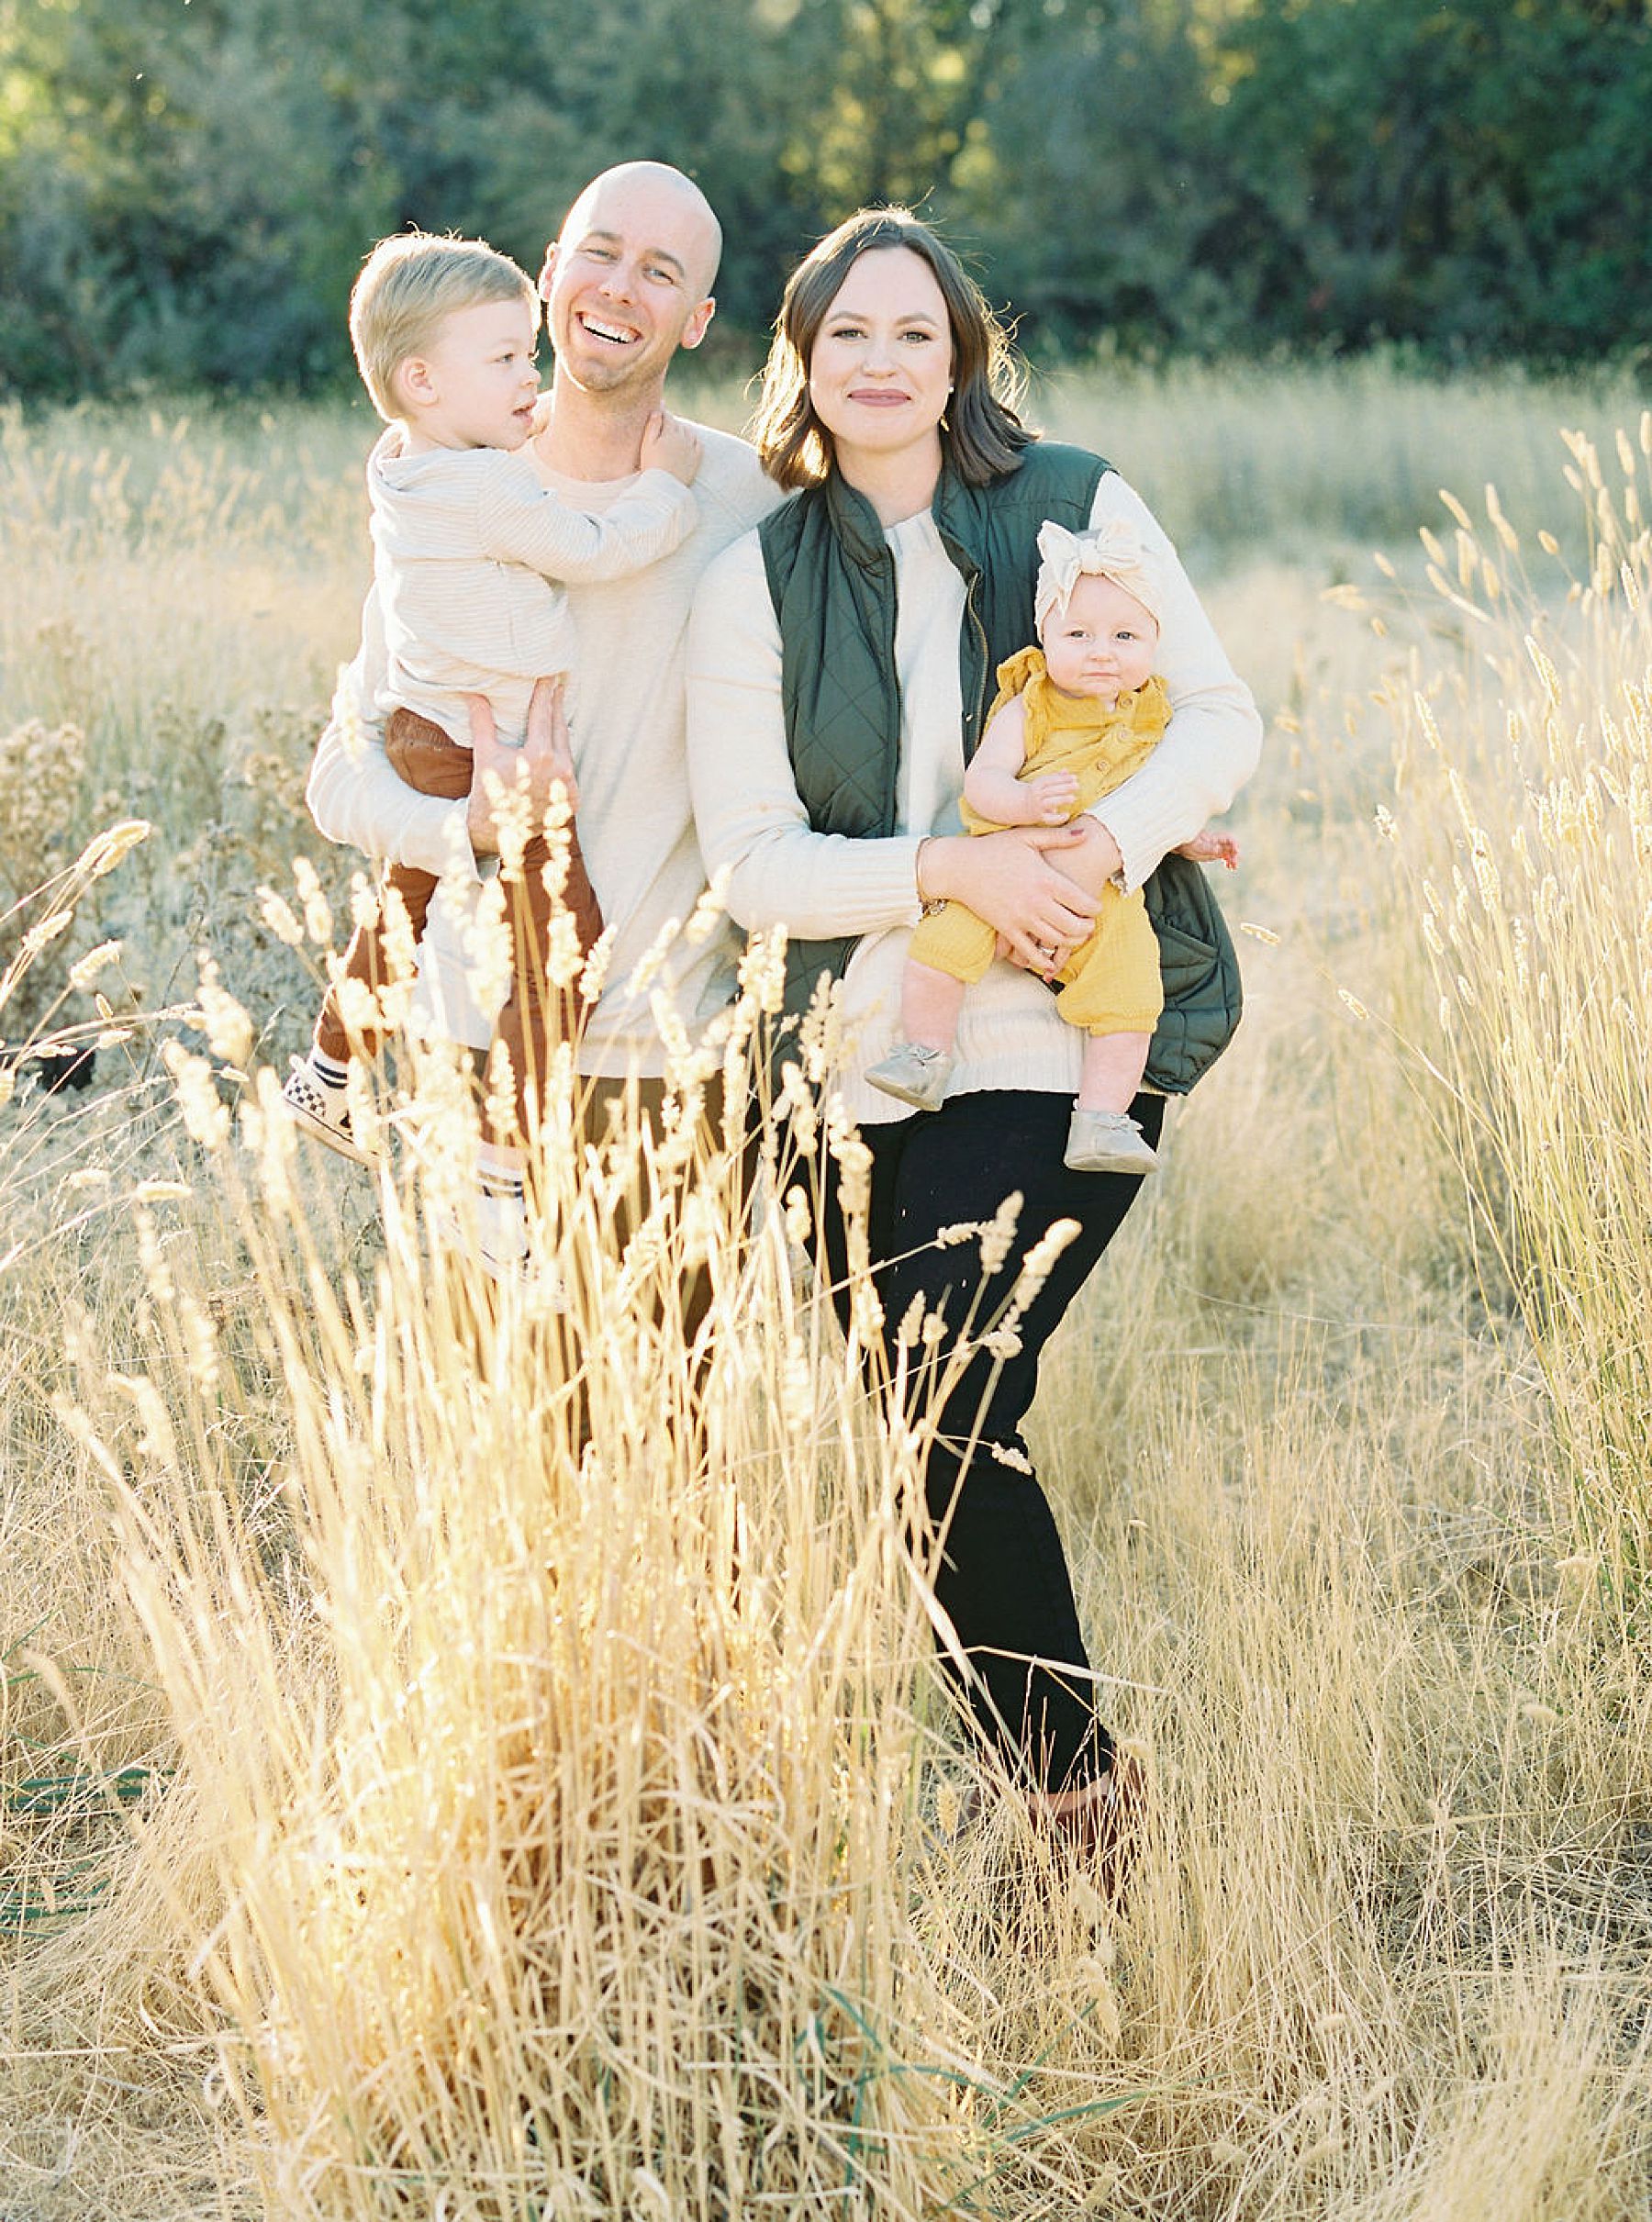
x: 464, y: 1761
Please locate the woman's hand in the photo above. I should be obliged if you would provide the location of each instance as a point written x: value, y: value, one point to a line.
x: 1088, y: 865
x: 1017, y: 880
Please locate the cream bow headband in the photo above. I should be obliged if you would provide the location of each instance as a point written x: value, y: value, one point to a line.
x: 1112, y: 550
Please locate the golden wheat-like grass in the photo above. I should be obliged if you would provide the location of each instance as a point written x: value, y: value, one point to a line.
x: 469, y: 1758
x: 1524, y: 814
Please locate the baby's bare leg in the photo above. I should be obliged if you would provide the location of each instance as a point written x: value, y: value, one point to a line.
x: 929, y: 1003
x: 1113, y: 1069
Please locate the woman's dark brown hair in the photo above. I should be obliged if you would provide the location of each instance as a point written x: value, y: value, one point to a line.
x: 983, y: 436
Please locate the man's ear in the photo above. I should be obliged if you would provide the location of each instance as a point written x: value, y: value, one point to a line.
x: 546, y: 271
x: 694, y: 331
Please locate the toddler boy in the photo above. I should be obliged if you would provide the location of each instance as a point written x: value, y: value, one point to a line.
x: 469, y: 546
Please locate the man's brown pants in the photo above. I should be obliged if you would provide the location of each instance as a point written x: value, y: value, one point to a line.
x: 431, y: 764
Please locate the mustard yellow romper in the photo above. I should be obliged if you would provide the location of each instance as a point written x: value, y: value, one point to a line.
x: 1110, y: 983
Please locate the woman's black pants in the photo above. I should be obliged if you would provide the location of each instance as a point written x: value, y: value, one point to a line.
x: 1002, y: 1578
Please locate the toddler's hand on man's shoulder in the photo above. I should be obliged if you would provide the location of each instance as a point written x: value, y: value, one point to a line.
x: 669, y: 445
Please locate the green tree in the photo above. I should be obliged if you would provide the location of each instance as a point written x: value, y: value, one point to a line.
x: 1469, y: 175
x: 187, y: 186
x: 1093, y: 178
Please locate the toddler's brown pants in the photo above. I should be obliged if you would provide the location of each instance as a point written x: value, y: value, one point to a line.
x: 433, y: 764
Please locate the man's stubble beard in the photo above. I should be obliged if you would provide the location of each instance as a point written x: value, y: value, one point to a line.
x: 618, y: 381
x: 640, y: 382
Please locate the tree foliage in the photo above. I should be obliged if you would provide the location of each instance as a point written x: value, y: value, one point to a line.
x: 187, y: 186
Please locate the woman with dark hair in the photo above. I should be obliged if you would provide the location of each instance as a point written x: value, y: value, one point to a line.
x: 840, y: 661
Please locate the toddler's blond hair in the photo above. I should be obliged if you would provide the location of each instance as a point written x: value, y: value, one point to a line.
x: 406, y: 286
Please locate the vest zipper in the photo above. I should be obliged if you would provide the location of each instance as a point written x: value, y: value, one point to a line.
x: 980, y: 632
x: 890, y: 601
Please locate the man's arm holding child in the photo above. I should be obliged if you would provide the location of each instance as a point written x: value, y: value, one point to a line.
x: 540, y: 768
x: 992, y: 785
x: 517, y: 523
x: 358, y: 799
x: 354, y: 796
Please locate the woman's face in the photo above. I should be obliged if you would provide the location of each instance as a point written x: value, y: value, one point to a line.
x: 880, y: 370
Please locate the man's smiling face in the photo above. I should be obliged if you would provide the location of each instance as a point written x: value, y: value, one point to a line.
x: 628, y: 281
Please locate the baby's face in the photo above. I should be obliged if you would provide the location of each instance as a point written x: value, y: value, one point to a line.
x: 1102, y: 644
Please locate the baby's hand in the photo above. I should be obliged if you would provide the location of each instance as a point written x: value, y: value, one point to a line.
x: 1051, y: 798
x: 1210, y: 847
x: 668, y: 444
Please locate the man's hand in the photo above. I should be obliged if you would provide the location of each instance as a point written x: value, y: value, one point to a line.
x: 541, y: 766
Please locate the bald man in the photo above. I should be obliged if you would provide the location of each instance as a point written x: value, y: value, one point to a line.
x: 627, y: 282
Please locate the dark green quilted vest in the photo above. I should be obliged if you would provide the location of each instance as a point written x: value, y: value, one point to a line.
x: 832, y: 580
